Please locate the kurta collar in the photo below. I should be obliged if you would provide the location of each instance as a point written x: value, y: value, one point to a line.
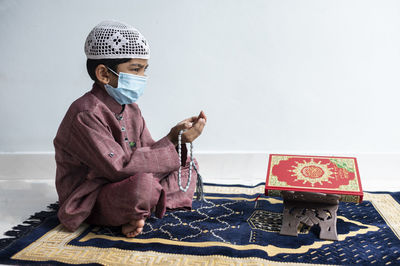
x: 103, y: 96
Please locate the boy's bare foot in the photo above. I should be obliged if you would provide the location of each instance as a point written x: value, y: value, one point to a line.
x: 133, y: 228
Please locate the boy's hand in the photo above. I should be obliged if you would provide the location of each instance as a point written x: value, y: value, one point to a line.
x: 193, y: 126
x: 197, y: 128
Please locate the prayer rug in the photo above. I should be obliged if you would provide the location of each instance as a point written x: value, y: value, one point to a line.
x: 229, y: 228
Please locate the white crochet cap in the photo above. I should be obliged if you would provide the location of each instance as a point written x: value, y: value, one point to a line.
x: 112, y: 39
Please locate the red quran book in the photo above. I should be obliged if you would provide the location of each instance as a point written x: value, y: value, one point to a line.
x: 323, y: 174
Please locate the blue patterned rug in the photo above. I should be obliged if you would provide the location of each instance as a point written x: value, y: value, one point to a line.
x: 230, y: 228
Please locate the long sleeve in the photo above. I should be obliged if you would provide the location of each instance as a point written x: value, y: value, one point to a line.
x: 147, y: 140
x: 93, y: 143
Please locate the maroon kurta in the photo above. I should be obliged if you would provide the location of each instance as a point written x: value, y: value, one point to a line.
x: 110, y: 168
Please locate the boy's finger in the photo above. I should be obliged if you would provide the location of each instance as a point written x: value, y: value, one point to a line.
x: 200, y: 125
x: 190, y: 119
x: 184, y: 125
x: 203, y: 115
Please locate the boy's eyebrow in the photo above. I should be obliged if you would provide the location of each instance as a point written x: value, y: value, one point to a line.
x: 139, y: 65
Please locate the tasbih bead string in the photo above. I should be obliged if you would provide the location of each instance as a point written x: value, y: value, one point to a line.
x: 199, y: 184
x: 184, y: 189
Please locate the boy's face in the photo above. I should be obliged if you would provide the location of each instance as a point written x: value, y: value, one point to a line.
x: 134, y: 66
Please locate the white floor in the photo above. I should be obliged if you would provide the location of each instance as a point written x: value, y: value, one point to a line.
x: 21, y: 198
x: 27, y: 180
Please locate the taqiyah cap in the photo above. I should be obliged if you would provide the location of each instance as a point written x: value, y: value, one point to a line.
x: 112, y: 39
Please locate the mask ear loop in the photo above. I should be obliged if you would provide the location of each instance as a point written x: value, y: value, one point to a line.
x: 115, y: 73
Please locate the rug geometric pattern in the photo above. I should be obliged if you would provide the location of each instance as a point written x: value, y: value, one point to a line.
x: 230, y: 228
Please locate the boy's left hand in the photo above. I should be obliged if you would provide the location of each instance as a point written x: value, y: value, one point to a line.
x: 198, y: 124
x: 193, y: 126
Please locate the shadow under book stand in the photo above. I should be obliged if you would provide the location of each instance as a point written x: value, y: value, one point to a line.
x: 310, y: 208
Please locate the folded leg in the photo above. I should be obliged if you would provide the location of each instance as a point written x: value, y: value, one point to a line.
x: 175, y: 198
x: 129, y: 200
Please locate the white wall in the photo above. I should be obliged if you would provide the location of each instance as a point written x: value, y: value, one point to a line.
x: 302, y: 76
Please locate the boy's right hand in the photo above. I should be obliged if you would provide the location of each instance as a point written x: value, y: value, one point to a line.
x: 193, y: 127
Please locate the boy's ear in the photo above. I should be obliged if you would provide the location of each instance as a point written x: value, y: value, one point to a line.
x: 102, y: 74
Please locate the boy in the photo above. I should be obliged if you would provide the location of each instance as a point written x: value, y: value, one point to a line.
x: 109, y: 169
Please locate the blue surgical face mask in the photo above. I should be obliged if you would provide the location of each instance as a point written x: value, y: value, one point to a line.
x: 130, y: 87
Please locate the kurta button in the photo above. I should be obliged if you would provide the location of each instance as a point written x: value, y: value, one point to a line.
x: 111, y: 154
x: 122, y: 128
x: 126, y: 139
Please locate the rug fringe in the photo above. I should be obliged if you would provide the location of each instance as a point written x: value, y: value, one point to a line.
x: 25, y: 227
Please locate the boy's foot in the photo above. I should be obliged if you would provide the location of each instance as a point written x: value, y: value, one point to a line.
x: 133, y: 228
